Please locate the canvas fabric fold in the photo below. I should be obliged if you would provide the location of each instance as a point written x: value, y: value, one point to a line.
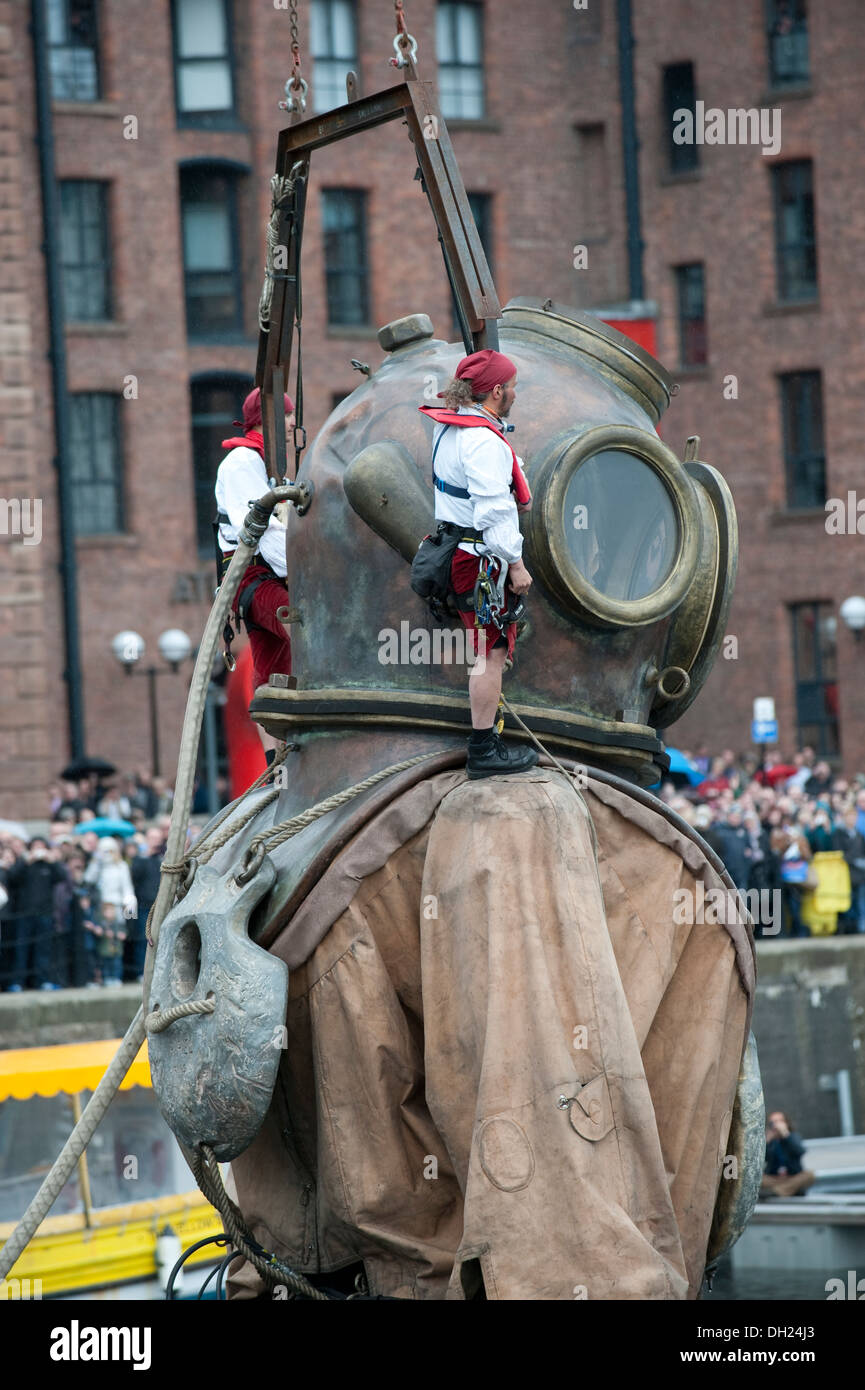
x: 507, y: 1062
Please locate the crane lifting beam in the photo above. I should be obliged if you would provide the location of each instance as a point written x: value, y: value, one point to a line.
x: 477, y: 303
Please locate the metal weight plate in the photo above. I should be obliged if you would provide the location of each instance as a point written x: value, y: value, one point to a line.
x: 214, y: 1073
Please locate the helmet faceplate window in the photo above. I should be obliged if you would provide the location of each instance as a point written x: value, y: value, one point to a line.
x: 620, y: 524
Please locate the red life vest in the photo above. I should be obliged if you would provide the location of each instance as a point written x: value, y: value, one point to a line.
x: 522, y: 492
x: 254, y: 439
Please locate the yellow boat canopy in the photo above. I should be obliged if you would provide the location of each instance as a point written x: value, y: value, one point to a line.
x: 68, y: 1069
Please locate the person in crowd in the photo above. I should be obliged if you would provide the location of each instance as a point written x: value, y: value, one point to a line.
x: 820, y: 780
x: 145, y: 871
x: 734, y: 840
x: 816, y: 825
x: 31, y: 882
x: 715, y: 783
x: 109, y: 872
x: 763, y: 874
x: 804, y: 763
x: 794, y: 853
x: 116, y: 803
x: 851, y: 842
x: 72, y: 904
x: 784, y: 1175
x: 109, y: 943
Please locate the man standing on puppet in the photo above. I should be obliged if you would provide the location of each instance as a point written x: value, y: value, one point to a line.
x: 240, y: 478
x: 479, y: 489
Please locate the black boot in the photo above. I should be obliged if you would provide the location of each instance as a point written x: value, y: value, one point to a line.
x: 494, y: 756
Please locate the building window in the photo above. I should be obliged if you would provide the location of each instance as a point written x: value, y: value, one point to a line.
x: 96, y: 464
x: 459, y: 50
x: 481, y: 205
x: 211, y: 257
x: 691, y: 293
x: 216, y: 400
x: 680, y: 94
x: 814, y: 665
x: 333, y: 41
x: 84, y: 250
x: 788, y: 42
x: 343, y: 213
x: 73, y: 51
x: 804, y: 452
x: 795, y: 239
x: 203, y: 76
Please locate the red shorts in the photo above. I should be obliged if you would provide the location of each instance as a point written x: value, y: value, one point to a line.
x: 268, y: 640
x: 464, y: 573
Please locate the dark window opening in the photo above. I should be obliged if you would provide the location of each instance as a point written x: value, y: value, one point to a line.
x: 680, y: 95
x: 345, y: 256
x: 211, y: 252
x: 691, y: 293
x: 816, y: 677
x: 96, y: 464
x: 73, y: 49
x: 204, y: 80
x: 333, y: 42
x: 795, y: 238
x: 84, y: 250
x: 804, y: 450
x: 787, y: 25
x: 460, y: 50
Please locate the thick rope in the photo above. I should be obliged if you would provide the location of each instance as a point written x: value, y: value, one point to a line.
x: 271, y: 1269
x: 281, y: 191
x: 159, y: 1019
x: 81, y: 1135
x: 277, y: 835
x: 205, y: 847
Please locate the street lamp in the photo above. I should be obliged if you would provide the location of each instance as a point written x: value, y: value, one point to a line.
x: 852, y: 611
x: 174, y: 647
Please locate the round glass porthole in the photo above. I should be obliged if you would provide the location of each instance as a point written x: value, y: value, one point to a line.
x: 615, y: 529
x: 621, y: 526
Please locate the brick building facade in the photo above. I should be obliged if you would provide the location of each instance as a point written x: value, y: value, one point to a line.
x: 164, y: 123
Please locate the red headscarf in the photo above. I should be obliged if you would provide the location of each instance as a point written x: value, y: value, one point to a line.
x: 485, y: 369
x: 252, y: 437
x: 252, y: 410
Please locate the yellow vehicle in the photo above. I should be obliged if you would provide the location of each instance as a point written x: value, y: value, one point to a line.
x: 130, y: 1184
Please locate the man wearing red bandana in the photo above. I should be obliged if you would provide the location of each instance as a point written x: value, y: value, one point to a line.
x: 241, y: 477
x: 479, y: 489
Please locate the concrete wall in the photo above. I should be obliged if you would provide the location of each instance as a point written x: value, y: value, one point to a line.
x: 809, y: 1020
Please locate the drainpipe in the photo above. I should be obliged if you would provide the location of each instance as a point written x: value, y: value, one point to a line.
x: 630, y: 147
x: 57, y: 355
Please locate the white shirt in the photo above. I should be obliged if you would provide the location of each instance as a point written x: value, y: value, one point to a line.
x: 241, y: 478
x: 474, y: 458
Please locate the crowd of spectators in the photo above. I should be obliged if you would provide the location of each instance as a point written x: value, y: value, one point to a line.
x: 766, y: 819
x: 74, y: 902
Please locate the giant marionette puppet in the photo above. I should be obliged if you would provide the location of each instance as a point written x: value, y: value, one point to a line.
x: 467, y: 1037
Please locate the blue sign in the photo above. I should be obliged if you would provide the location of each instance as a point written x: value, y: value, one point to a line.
x: 764, y: 731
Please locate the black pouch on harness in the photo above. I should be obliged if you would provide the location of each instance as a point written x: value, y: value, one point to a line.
x: 431, y: 566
